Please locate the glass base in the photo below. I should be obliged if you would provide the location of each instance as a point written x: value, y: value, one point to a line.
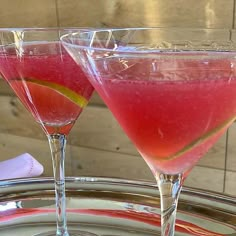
x: 71, y: 233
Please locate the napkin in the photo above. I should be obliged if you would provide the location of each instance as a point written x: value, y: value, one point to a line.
x: 20, y: 167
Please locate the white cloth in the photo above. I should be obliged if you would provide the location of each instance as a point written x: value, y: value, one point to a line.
x: 22, y: 166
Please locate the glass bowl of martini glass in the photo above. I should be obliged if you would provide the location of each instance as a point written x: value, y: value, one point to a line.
x: 53, y: 89
x: 173, y: 92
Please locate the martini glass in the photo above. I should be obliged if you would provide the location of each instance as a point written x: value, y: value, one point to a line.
x: 53, y: 89
x: 173, y: 91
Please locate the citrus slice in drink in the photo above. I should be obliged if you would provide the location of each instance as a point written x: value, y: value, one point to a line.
x: 209, y: 135
x: 68, y: 93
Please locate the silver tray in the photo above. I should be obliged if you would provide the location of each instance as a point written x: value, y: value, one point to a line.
x: 110, y: 207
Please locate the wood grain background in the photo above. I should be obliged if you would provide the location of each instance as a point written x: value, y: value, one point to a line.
x: 97, y: 146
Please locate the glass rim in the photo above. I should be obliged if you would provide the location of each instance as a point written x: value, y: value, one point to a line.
x: 220, y: 46
x: 32, y: 30
x: 28, y: 29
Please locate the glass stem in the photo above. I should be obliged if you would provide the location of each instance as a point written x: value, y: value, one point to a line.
x: 57, y: 143
x: 169, y: 187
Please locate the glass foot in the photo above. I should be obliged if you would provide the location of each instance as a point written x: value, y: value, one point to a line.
x: 71, y: 233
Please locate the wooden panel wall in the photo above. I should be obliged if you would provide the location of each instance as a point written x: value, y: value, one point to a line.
x: 97, y: 146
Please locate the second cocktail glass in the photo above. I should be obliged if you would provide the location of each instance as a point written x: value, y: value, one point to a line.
x: 173, y: 91
x: 53, y: 89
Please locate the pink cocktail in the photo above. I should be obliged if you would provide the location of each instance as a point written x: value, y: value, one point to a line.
x: 172, y: 118
x: 52, y: 88
x: 173, y: 91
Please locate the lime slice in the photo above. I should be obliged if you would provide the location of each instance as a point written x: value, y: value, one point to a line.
x: 70, y: 94
x: 202, y: 139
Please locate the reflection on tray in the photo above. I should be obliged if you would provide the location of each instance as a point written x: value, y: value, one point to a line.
x: 148, y: 218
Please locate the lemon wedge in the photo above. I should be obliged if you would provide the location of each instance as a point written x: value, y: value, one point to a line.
x: 202, y: 139
x: 70, y: 94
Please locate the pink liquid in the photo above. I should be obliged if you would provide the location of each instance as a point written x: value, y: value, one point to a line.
x: 173, y: 107
x: 54, y: 111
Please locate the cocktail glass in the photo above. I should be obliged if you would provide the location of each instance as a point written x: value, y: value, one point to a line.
x: 173, y: 91
x: 53, y: 89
